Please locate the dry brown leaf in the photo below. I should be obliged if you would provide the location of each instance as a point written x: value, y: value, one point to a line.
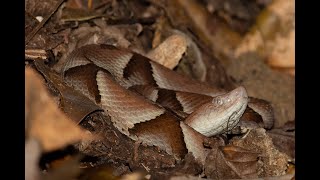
x: 283, y: 140
x: 161, y: 25
x: 44, y: 120
x: 273, y: 35
x: 231, y: 162
x: 272, y: 161
x: 220, y: 37
x: 192, y: 61
x: 170, y: 51
x: 40, y: 33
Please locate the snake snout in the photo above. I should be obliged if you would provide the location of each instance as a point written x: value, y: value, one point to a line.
x: 239, y: 92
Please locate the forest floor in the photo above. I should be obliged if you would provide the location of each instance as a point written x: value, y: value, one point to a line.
x: 226, y: 43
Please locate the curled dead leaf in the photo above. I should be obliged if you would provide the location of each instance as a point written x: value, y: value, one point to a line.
x: 272, y: 161
x: 231, y: 162
x: 191, y: 61
x: 44, y: 120
x: 170, y: 51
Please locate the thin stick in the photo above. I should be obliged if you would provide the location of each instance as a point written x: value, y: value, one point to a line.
x: 40, y: 25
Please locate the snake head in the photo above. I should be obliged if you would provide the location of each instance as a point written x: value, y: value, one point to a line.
x: 221, y: 114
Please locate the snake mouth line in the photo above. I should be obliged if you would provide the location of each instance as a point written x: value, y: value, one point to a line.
x: 234, y: 121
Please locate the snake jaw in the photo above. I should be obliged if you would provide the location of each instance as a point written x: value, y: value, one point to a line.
x: 221, y: 114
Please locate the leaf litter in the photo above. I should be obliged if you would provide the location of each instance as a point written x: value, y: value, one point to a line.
x: 212, y: 39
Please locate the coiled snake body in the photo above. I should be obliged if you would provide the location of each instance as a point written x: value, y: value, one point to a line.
x: 153, y: 104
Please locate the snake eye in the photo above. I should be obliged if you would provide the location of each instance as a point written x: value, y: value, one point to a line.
x: 218, y: 101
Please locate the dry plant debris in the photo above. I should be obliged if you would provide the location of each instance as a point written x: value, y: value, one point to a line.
x: 225, y: 43
x: 47, y: 128
x: 44, y: 120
